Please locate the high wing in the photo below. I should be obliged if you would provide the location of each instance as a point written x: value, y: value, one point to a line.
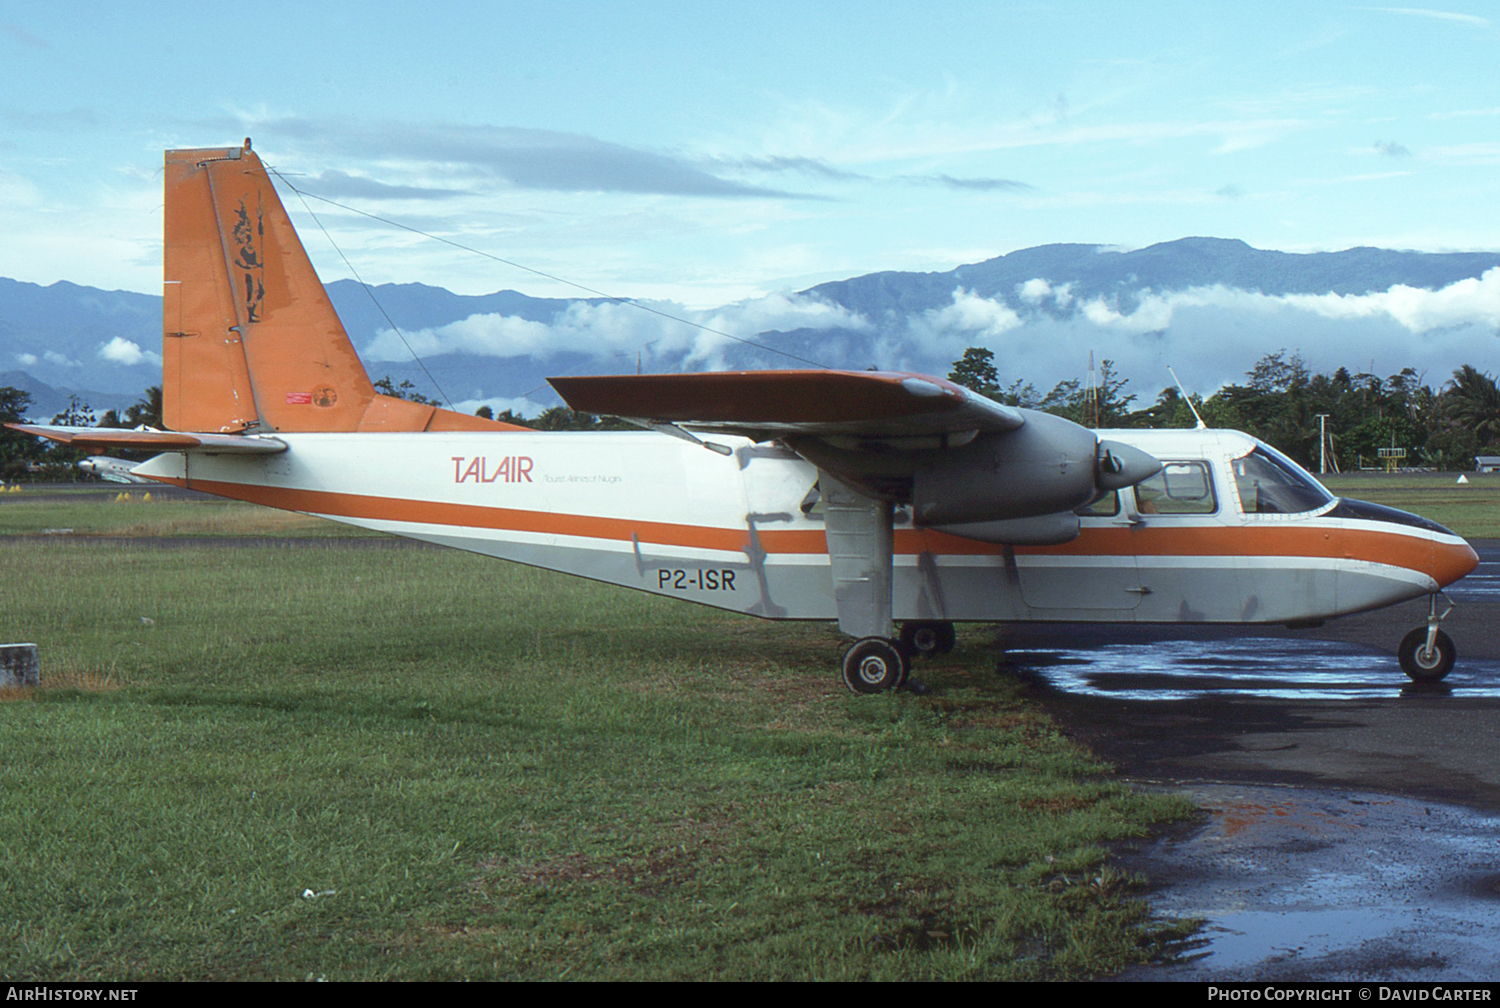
x: 763, y: 405
x: 154, y: 440
x: 966, y: 465
x: 956, y: 456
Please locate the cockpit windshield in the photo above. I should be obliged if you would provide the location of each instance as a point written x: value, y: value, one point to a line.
x: 1272, y: 484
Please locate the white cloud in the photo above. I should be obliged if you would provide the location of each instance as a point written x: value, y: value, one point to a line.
x: 1473, y: 301
x: 943, y: 333
x: 1153, y: 313
x: 518, y: 405
x: 1471, y: 20
x: 26, y: 359
x: 969, y: 313
x: 18, y: 191
x: 613, y: 329
x: 520, y: 157
x: 1466, y: 154
x: 127, y: 352
x: 1034, y: 291
x: 61, y: 360
x: 1037, y: 290
x: 1213, y: 335
x: 1464, y: 113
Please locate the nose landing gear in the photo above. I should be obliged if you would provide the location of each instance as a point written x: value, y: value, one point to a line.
x: 1427, y: 654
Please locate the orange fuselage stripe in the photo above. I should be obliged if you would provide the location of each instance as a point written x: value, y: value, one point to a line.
x: 1270, y: 540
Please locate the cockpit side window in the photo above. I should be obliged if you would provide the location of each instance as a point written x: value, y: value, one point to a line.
x: 1270, y: 484
x: 1180, y: 488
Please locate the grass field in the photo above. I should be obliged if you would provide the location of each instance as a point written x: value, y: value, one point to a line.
x: 299, y: 762
x: 1471, y: 509
x: 100, y: 514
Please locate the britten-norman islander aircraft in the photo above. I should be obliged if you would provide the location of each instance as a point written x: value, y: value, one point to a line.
x: 870, y: 498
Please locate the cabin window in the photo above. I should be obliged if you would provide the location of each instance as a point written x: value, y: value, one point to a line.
x: 1268, y: 483
x: 1105, y: 507
x: 1180, y: 488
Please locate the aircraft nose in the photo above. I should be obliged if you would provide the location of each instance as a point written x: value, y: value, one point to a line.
x: 1451, y: 561
x: 1122, y: 465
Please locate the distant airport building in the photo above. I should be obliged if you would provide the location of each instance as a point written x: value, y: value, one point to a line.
x: 1487, y: 463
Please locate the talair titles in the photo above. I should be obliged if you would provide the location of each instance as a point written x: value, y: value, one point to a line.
x: 510, y: 469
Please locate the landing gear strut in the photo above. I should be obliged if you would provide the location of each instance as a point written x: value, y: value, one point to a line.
x: 1427, y: 654
x: 924, y: 638
x: 860, y: 538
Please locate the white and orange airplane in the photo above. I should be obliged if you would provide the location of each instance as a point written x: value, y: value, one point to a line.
x: 868, y: 498
x: 111, y: 470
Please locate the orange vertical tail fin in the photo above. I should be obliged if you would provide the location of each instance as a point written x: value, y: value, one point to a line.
x: 250, y: 339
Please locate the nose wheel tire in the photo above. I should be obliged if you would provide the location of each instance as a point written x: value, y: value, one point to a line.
x: 927, y: 637
x: 874, y: 665
x: 1422, y: 665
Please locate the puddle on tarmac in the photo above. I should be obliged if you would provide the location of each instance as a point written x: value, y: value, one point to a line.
x: 1288, y: 668
x: 1297, y: 883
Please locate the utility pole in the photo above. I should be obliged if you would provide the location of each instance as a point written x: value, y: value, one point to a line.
x: 1091, y: 396
x: 1323, y: 444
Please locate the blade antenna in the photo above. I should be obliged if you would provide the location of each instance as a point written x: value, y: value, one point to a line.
x: 1187, y: 399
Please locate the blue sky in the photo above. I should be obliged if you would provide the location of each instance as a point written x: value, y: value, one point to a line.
x: 709, y: 152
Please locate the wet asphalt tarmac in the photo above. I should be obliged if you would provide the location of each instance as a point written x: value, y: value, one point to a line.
x: 1352, y: 819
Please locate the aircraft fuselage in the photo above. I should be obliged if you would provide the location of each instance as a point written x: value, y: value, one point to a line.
x: 745, y: 532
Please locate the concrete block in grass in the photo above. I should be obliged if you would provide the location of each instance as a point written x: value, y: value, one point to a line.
x: 19, y: 665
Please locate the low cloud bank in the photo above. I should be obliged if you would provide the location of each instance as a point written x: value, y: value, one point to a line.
x: 1212, y: 335
x: 612, y: 330
x: 1040, y: 332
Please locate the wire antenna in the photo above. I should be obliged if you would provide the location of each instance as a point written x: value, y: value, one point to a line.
x: 557, y: 279
x: 1187, y: 399
x: 360, y: 280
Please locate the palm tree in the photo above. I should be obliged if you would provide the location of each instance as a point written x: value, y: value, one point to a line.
x: 1474, y: 403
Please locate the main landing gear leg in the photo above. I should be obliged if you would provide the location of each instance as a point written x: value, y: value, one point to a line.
x: 860, y: 547
x: 1427, y: 654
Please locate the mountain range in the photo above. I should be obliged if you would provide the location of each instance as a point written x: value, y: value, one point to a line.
x: 1210, y: 306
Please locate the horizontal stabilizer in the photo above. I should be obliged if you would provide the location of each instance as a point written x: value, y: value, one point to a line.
x: 767, y: 404
x: 154, y: 440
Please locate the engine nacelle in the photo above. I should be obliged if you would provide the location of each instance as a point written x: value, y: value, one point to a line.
x: 1039, y: 530
x: 1042, y: 467
x: 1047, y: 466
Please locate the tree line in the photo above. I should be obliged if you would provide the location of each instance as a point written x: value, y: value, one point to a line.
x: 24, y: 457
x: 1280, y: 401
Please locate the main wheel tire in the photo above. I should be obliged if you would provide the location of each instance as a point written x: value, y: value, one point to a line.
x: 927, y: 637
x: 1426, y: 667
x: 874, y: 665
